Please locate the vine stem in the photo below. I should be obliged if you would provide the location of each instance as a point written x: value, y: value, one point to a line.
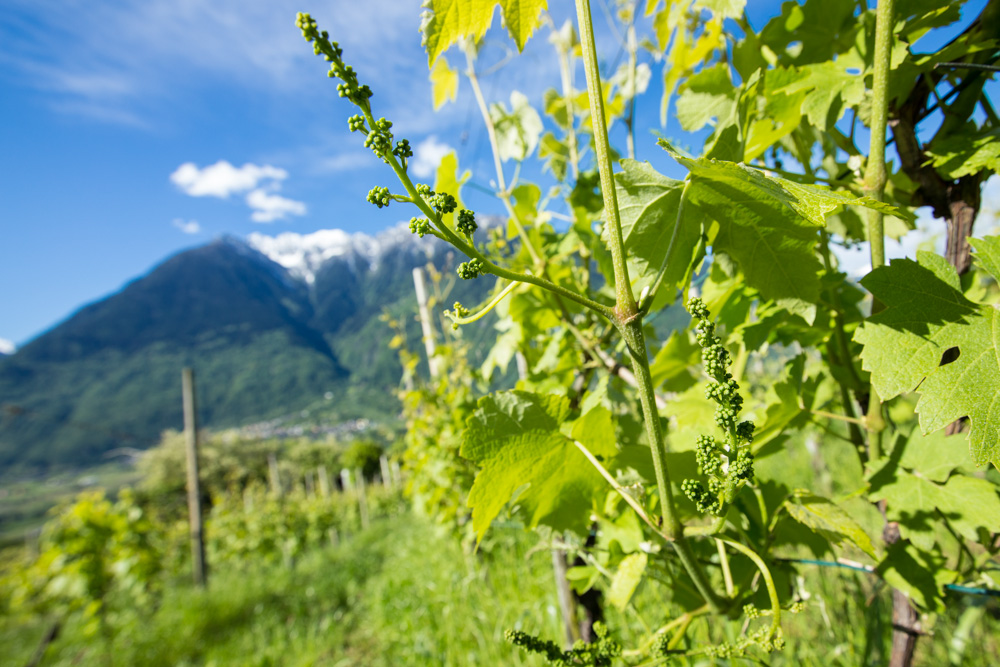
x: 765, y: 573
x: 626, y: 496
x: 628, y: 319
x: 471, y: 251
x: 625, y: 301
x: 874, y: 185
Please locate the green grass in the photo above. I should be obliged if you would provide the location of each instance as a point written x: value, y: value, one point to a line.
x: 402, y: 594
x: 396, y: 595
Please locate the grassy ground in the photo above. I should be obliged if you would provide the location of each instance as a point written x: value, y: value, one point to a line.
x: 396, y: 595
x: 400, y: 594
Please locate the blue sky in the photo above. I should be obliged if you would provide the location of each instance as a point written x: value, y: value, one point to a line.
x: 102, y: 101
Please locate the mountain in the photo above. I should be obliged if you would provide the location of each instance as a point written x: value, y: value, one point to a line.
x: 271, y: 325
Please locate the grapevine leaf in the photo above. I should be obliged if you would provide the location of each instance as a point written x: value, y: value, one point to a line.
x: 626, y: 580
x: 706, y: 96
x: 829, y: 520
x: 648, y: 203
x: 674, y: 361
x: 825, y: 82
x: 767, y: 225
x: 961, y: 154
x: 444, y: 83
x: 727, y: 9
x: 522, y: 18
x: 514, y: 437
x: 920, y: 575
x: 518, y: 130
x: 931, y: 456
x: 445, y: 22
x: 780, y: 116
x: 927, y: 314
x: 988, y: 254
x: 919, y: 505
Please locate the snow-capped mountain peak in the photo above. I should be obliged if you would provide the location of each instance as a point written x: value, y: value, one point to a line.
x: 303, y: 254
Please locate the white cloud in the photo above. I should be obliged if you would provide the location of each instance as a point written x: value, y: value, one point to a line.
x: 350, y: 161
x: 223, y: 179
x: 260, y: 182
x: 7, y: 347
x: 270, y: 207
x: 427, y: 156
x: 188, y: 227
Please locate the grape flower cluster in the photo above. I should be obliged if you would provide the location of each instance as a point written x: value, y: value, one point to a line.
x: 723, y: 481
x: 379, y: 138
x: 601, y: 652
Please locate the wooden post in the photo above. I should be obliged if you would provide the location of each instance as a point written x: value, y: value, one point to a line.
x: 362, y: 497
x: 193, y: 487
x: 345, y: 480
x: 275, y: 474
x: 567, y: 605
x: 425, y: 320
x: 324, y: 482
x: 383, y: 463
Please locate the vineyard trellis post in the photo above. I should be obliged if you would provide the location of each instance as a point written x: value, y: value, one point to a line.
x: 193, y: 486
x: 425, y: 320
x: 275, y: 474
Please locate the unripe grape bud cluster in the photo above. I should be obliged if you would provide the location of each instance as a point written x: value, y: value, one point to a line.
x: 443, y: 202
x: 471, y: 269
x: 420, y: 226
x: 379, y: 196
x: 724, y: 390
x: 467, y: 222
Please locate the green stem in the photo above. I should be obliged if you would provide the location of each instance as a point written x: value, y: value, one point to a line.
x: 875, y: 179
x: 727, y: 575
x: 628, y: 319
x: 471, y: 251
x: 765, y: 573
x: 875, y: 171
x: 625, y: 301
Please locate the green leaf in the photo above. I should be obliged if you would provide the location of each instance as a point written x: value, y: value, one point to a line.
x: 962, y: 153
x: 825, y: 82
x: 827, y: 519
x: 517, y: 130
x: 918, y: 504
x: 627, y: 578
x: 648, y: 203
x: 987, y: 254
x: 932, y: 456
x: 706, y: 96
x: 768, y: 225
x: 780, y: 116
x: 515, y: 438
x: 444, y: 83
x: 674, y: 361
x: 727, y: 9
x: 445, y: 22
x: 927, y: 314
x: 920, y: 575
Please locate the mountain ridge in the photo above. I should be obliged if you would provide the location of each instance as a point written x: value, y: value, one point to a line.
x: 265, y: 337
